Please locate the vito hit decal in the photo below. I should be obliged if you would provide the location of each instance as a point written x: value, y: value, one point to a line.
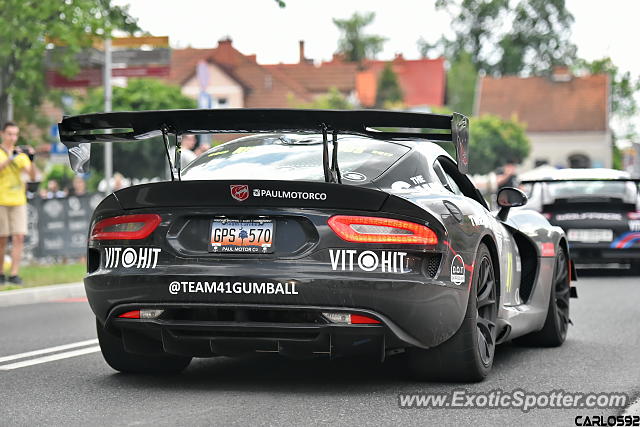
x: 385, y: 261
x: 458, y: 272
x: 131, y: 257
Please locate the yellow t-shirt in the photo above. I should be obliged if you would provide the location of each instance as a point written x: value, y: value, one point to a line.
x: 12, y: 188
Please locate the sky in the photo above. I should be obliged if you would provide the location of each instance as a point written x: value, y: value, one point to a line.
x: 260, y: 27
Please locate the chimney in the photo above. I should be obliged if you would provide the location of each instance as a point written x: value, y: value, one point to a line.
x: 561, y: 73
x: 301, y: 50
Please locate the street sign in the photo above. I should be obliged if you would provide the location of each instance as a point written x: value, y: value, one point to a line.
x: 87, y: 58
x: 140, y: 72
x: 88, y: 77
x: 135, y: 57
x: 156, y: 41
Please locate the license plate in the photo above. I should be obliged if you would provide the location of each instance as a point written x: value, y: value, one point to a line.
x: 241, y: 236
x: 590, y: 236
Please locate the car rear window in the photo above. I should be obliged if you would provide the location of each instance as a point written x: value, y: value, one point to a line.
x: 293, y: 157
x: 570, y: 189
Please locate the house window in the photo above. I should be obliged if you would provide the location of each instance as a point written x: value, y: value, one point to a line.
x: 268, y: 82
x: 579, y: 161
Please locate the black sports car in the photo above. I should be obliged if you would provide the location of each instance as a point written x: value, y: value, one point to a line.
x: 599, y: 209
x: 324, y: 233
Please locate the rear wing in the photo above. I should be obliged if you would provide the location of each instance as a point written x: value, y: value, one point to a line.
x: 78, y: 132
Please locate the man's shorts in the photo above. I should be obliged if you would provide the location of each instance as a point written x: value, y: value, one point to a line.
x: 13, y: 220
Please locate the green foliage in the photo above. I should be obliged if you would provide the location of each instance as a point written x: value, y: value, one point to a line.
x: 353, y: 43
x: 389, y: 91
x: 508, y: 37
x: 145, y: 158
x: 624, y: 87
x: 494, y: 142
x: 94, y: 179
x: 332, y: 100
x: 616, y: 155
x: 461, y: 84
x: 61, y: 173
x: 25, y: 28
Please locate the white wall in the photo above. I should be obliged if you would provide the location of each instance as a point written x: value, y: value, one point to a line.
x: 220, y: 86
x: 556, y: 147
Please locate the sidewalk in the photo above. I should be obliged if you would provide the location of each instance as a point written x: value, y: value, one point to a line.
x: 41, y: 294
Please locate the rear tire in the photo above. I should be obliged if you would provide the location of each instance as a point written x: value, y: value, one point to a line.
x: 554, y: 331
x: 115, y: 355
x: 468, y: 355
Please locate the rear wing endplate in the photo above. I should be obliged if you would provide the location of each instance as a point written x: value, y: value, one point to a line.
x: 78, y: 132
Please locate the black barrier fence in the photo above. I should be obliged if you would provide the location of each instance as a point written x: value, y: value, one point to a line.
x: 59, y: 227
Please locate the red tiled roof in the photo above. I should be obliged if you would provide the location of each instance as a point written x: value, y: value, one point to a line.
x: 580, y: 104
x: 422, y: 81
x: 320, y: 79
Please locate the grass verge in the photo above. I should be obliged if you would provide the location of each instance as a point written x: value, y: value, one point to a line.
x: 43, y: 275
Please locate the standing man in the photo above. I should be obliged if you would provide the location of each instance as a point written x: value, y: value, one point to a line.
x: 13, y: 199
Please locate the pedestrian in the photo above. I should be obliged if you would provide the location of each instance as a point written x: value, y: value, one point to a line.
x: 506, y: 175
x: 14, y: 161
x: 53, y: 191
x: 186, y: 149
x: 78, y: 187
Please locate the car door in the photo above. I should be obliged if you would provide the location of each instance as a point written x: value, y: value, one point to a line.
x: 481, y: 220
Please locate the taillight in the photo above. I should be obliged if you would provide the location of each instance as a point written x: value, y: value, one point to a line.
x: 350, y: 319
x: 547, y: 215
x: 633, y: 215
x: 125, y: 227
x: 366, y: 229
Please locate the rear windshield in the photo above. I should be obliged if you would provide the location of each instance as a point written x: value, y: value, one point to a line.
x: 296, y: 157
x: 569, y: 189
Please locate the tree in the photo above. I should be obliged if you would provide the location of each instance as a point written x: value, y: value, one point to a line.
x: 623, y: 90
x: 494, y: 142
x: 389, y: 91
x: 354, y: 44
x: 502, y: 38
x: 145, y: 158
x: 461, y: 84
x: 332, y: 100
x: 27, y: 26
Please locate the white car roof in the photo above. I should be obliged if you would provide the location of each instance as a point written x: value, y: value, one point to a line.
x: 585, y: 173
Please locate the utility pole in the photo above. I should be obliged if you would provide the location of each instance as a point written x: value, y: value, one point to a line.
x: 108, y: 147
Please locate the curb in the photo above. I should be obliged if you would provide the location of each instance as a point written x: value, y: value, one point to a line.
x: 41, y: 294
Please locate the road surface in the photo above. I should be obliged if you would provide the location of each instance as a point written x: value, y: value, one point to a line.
x: 63, y: 379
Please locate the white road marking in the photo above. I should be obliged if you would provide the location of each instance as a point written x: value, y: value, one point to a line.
x: 633, y: 409
x: 49, y: 358
x: 48, y: 350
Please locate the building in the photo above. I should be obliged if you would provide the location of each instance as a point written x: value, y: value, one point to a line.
x: 566, y: 116
x: 423, y: 81
x: 235, y: 80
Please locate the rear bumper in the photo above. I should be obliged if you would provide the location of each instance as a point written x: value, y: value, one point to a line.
x: 601, y: 254
x: 411, y: 313
x: 229, y: 338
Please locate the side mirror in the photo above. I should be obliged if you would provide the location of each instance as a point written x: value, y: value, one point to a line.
x: 508, y: 198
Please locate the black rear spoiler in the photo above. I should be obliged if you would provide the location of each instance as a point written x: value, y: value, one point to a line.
x: 77, y: 132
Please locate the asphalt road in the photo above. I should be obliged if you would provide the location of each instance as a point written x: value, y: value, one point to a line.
x: 601, y: 354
